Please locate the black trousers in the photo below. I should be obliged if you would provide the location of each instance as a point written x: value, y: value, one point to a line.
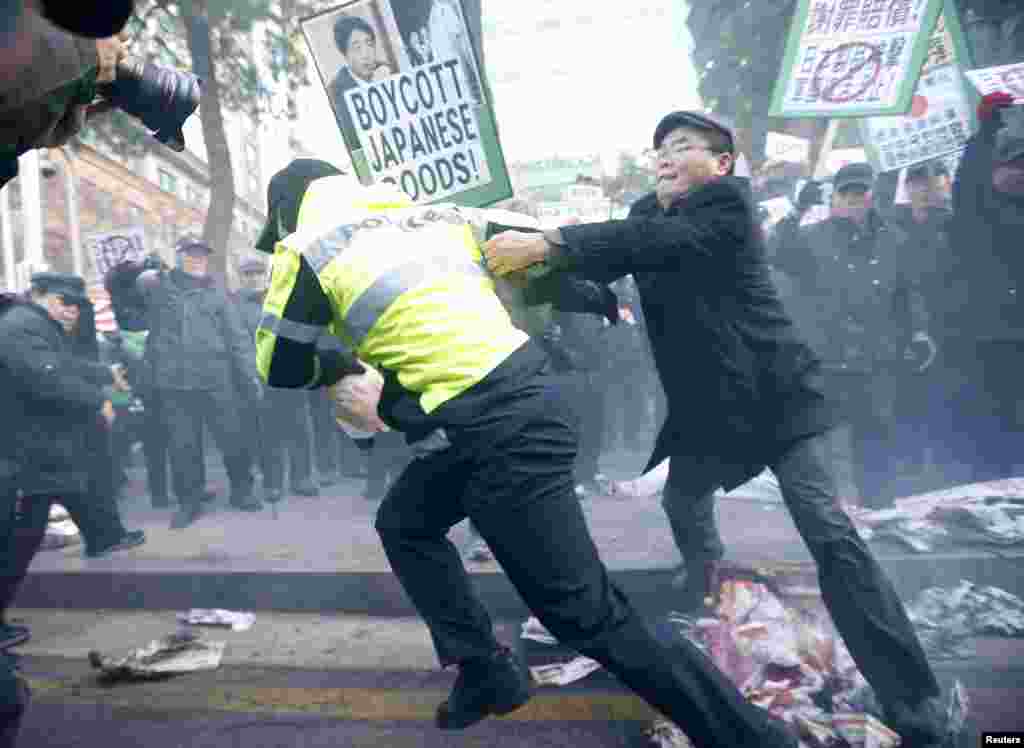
x: 14, y: 700
x: 279, y: 427
x: 186, y: 413
x: 326, y: 434
x: 512, y: 474
x: 21, y: 533
x: 156, y: 447
x: 862, y: 601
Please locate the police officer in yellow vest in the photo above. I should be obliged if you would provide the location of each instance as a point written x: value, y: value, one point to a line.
x: 405, y: 290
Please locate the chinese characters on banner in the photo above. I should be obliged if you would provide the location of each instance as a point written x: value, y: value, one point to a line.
x: 1009, y: 78
x: 851, y: 58
x: 939, y: 121
x: 408, y: 97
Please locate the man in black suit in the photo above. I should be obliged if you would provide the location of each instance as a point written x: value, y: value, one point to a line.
x: 744, y: 391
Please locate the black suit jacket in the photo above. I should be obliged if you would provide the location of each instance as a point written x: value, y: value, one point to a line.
x: 740, y: 382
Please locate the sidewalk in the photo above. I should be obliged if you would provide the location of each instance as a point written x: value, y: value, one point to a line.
x: 323, y: 554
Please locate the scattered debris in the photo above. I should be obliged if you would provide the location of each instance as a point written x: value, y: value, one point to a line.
x: 788, y: 658
x: 218, y: 617
x: 534, y: 631
x: 986, y: 514
x: 479, y: 551
x: 947, y: 618
x: 664, y: 734
x: 564, y: 673
x: 61, y: 532
x: 182, y: 652
x: 763, y: 488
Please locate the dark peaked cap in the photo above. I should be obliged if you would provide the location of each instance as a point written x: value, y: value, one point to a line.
x: 284, y: 196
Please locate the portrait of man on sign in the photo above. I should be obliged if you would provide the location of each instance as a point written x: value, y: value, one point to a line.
x: 353, y: 48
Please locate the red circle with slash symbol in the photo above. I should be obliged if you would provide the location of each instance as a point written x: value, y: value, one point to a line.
x: 827, y: 92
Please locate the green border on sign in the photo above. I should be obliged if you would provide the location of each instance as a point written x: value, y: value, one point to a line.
x: 962, y: 62
x: 963, y: 57
x: 906, y: 94
x: 500, y: 186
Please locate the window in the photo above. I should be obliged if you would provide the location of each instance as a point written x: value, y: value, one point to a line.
x: 168, y: 182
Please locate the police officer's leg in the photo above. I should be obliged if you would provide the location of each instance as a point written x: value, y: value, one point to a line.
x: 689, y: 502
x: 326, y: 444
x: 25, y: 534
x: 521, y: 498
x: 183, y: 416
x: 225, y: 424
x: 14, y: 700
x: 291, y: 409
x: 413, y: 523
x: 155, y: 449
x: 860, y: 598
x: 272, y: 443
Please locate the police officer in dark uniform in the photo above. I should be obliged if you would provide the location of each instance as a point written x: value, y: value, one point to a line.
x: 201, y: 358
x: 277, y: 422
x: 857, y: 296
x: 54, y: 405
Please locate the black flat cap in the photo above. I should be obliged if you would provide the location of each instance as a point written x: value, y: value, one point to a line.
x: 856, y: 174
x: 695, y: 120
x: 71, y: 287
x: 284, y: 196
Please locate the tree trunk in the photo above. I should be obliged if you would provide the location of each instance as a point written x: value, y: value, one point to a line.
x: 220, y: 215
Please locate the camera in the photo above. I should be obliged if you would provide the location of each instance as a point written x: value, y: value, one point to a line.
x: 162, y: 98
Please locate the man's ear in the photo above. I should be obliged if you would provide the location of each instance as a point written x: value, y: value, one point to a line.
x: 726, y: 162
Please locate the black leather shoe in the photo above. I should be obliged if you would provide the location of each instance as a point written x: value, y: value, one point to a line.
x: 923, y: 725
x: 131, y: 539
x: 207, y: 496
x: 160, y: 502
x: 273, y: 496
x: 499, y: 684
x: 185, y: 516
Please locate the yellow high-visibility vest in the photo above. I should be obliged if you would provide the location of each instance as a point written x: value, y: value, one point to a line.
x: 403, y: 287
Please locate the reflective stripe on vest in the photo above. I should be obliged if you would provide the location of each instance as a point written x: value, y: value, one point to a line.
x: 366, y: 310
x: 300, y: 332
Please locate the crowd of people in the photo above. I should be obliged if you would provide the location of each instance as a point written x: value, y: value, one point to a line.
x: 487, y: 379
x: 913, y: 308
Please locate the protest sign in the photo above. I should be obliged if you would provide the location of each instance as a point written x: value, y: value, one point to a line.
x: 853, y: 58
x: 114, y: 247
x: 940, y: 118
x: 790, y: 148
x: 409, y: 98
x: 1008, y: 78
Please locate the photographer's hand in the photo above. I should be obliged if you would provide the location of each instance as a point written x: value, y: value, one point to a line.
x: 110, y: 51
